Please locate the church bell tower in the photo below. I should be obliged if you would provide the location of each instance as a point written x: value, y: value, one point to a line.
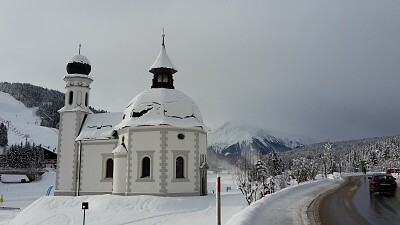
x: 72, y: 115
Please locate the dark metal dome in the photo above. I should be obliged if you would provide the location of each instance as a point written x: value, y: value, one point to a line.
x: 79, y: 64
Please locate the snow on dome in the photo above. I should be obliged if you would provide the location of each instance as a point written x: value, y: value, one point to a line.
x: 79, y: 64
x: 163, y: 61
x: 79, y: 59
x: 162, y: 106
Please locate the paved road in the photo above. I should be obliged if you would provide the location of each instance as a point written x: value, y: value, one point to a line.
x: 352, y: 204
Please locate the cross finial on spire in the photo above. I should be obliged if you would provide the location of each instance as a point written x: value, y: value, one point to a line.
x: 80, y: 48
x: 163, y: 37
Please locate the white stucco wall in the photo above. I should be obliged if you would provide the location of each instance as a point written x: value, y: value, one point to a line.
x: 94, y: 155
x: 119, y: 178
x: 66, y: 151
x: 145, y: 143
x: 148, y: 142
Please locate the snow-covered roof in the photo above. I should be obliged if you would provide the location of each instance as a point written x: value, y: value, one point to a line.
x: 161, y: 106
x: 163, y: 60
x: 78, y: 108
x: 99, y: 126
x: 79, y: 59
x: 120, y: 150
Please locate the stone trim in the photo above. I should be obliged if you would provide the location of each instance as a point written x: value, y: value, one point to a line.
x: 106, y: 180
x: 185, y: 155
x: 129, y: 164
x: 104, y: 158
x: 197, y: 162
x: 163, y: 162
x: 64, y: 193
x: 145, y: 180
x: 166, y: 194
x: 168, y: 128
x: 100, y: 142
x: 95, y: 192
x: 140, y: 156
x: 60, y: 132
x: 119, y: 156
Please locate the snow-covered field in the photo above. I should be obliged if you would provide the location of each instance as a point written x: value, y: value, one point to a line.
x: 23, y: 124
x: 283, y: 207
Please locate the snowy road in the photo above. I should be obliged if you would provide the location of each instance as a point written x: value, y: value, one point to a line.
x: 352, y: 204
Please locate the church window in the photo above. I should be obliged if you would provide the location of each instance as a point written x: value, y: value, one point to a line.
x: 86, y: 99
x: 159, y: 78
x: 179, y: 167
x: 109, y: 168
x: 145, y: 167
x: 165, y: 78
x: 70, y: 97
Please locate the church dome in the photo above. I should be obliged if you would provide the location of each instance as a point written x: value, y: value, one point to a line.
x: 161, y: 106
x: 79, y: 64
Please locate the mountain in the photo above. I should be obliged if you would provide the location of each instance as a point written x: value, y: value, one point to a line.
x: 24, y: 125
x: 46, y: 101
x: 232, y: 139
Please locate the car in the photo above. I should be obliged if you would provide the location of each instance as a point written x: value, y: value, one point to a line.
x: 382, y: 183
x: 392, y: 170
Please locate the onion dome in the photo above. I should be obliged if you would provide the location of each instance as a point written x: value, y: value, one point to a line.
x: 79, y: 64
x: 163, y: 69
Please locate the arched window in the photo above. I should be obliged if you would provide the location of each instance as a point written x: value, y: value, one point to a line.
x: 179, y: 167
x: 145, y: 167
x: 109, y: 168
x: 86, y: 99
x: 70, y: 97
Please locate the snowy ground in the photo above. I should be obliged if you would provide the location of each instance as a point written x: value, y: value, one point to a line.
x: 23, y: 124
x: 283, y: 207
x: 287, y: 206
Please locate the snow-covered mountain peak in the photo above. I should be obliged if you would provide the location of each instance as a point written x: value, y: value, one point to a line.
x: 241, y: 135
x: 234, y: 132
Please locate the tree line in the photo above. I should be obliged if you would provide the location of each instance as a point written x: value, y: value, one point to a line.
x: 257, y: 175
x: 48, y: 101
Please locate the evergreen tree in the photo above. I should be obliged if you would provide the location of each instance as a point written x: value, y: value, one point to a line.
x: 3, y: 135
x: 25, y: 156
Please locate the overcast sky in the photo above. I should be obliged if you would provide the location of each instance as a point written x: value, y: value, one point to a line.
x: 325, y: 69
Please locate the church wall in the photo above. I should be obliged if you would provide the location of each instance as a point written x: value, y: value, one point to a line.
x: 144, y: 143
x: 188, y: 149
x: 162, y: 146
x: 93, y: 165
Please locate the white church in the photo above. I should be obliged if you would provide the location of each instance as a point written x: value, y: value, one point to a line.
x: 157, y: 146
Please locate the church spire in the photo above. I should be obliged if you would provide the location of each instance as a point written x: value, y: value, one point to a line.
x: 163, y: 69
x: 163, y: 37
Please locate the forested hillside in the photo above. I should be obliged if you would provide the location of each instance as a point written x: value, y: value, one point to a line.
x: 376, y: 153
x: 48, y: 101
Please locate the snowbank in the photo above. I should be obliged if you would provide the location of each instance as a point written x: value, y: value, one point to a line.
x: 111, y: 209
x: 287, y: 206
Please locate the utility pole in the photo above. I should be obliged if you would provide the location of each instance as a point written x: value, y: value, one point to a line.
x: 218, y: 200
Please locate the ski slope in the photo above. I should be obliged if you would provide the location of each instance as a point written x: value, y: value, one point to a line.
x: 23, y: 124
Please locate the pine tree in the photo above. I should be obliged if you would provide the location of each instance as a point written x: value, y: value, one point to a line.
x: 3, y: 135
